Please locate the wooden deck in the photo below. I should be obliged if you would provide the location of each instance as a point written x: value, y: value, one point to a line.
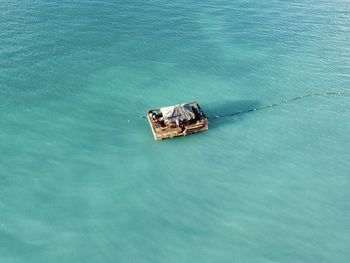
x: 163, y: 130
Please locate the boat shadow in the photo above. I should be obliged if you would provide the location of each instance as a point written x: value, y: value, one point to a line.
x: 225, y: 109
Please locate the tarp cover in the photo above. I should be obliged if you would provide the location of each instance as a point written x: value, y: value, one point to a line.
x: 179, y: 112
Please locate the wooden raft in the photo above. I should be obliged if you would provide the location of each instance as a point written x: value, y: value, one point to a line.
x: 177, y: 120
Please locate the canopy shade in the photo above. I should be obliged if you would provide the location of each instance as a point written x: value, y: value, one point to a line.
x: 180, y: 112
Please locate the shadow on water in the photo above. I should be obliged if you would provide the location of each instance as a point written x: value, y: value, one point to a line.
x: 225, y: 108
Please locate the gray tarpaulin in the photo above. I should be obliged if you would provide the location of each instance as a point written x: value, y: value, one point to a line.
x: 179, y: 112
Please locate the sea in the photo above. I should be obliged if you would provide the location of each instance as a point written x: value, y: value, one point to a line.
x: 81, y: 177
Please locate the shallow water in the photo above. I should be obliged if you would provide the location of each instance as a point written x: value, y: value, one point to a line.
x: 82, y: 179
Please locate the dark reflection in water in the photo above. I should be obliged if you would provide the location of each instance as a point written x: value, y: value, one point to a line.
x: 225, y: 109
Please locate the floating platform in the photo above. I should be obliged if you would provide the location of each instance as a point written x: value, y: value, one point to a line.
x: 177, y: 120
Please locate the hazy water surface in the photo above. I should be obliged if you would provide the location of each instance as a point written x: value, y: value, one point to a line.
x: 81, y: 179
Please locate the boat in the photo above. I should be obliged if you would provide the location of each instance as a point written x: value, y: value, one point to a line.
x: 177, y: 120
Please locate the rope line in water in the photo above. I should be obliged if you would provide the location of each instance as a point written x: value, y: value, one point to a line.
x: 280, y: 103
x: 274, y: 104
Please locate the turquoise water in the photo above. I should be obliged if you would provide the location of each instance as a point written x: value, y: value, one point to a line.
x: 81, y: 178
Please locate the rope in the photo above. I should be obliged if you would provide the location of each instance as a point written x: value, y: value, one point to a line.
x: 280, y: 103
x: 273, y: 104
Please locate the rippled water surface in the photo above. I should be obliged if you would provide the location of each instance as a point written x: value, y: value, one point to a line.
x: 81, y: 179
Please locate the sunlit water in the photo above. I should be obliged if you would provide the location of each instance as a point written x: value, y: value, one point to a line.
x: 81, y: 178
